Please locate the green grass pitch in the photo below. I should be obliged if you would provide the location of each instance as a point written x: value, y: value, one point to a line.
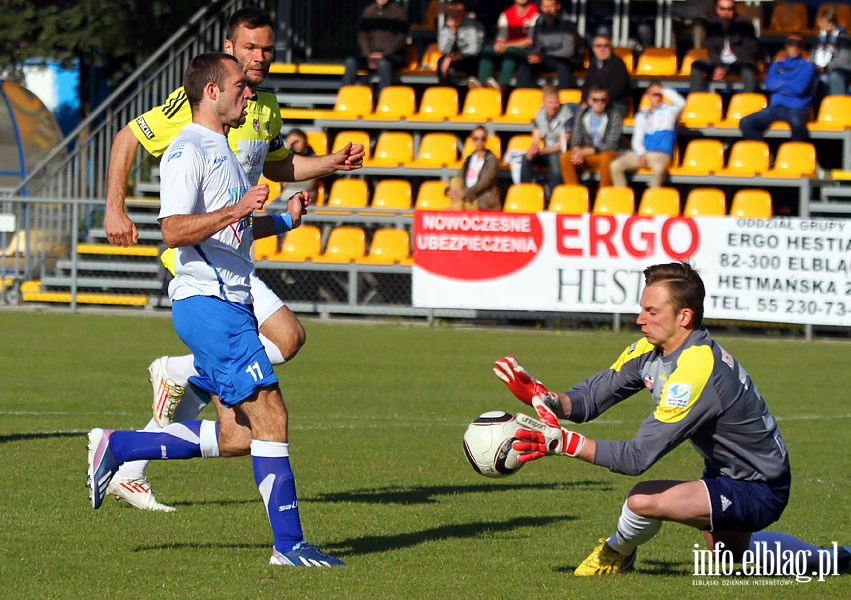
x: 377, y: 415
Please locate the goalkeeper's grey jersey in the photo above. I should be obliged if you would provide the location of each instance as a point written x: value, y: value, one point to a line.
x: 702, y: 394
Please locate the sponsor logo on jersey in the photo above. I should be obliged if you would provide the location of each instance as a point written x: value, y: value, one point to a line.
x: 174, y: 155
x: 144, y: 127
x: 728, y: 360
x: 219, y: 159
x: 678, y: 395
x: 648, y: 382
x: 257, y: 125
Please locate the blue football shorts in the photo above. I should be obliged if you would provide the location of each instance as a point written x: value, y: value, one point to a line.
x: 229, y: 355
x: 738, y: 505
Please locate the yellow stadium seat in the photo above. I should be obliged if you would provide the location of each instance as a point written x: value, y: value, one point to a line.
x: 395, y: 102
x: 702, y: 109
x: 432, y: 196
x: 318, y: 140
x: 573, y: 96
x: 656, y: 62
x: 439, y: 103
x: 747, y: 159
x: 480, y: 105
x: 688, y: 60
x: 522, y: 105
x: 353, y: 102
x: 834, y: 114
x: 788, y: 17
x: 524, y: 198
x: 388, y: 246
x: 705, y: 202
x: 266, y: 247
x: 612, y: 200
x: 794, y: 160
x: 702, y: 157
x: 392, y: 194
x: 355, y: 137
x: 431, y: 56
x: 662, y: 201
x: 751, y: 204
x: 626, y: 55
x: 437, y: 149
x: 569, y: 199
x: 346, y: 193
x: 741, y: 105
x: 345, y: 244
x: 393, y: 148
x: 301, y: 244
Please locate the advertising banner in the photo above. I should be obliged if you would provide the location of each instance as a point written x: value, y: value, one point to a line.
x: 785, y: 270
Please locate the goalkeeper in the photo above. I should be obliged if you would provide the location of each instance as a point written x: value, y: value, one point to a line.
x: 702, y: 395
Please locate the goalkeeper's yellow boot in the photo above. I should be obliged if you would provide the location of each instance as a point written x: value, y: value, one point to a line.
x: 605, y: 560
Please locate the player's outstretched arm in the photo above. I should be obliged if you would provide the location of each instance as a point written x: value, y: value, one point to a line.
x: 120, y: 230
x: 300, y: 168
x: 186, y: 230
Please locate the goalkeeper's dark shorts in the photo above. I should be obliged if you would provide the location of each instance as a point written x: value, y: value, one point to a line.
x: 744, y: 505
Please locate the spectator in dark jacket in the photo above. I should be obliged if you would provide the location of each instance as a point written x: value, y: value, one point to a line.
x: 382, y: 35
x: 476, y: 186
x: 595, y: 140
x: 791, y: 82
x: 555, y: 47
x: 607, y: 70
x: 460, y: 42
x: 733, y: 48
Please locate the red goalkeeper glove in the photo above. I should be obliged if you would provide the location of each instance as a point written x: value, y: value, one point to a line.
x: 521, y: 383
x: 541, y: 438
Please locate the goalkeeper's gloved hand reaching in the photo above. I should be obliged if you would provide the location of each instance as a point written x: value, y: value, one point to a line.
x: 540, y: 438
x: 522, y: 384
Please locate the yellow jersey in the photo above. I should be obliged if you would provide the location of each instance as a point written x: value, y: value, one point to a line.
x: 257, y: 141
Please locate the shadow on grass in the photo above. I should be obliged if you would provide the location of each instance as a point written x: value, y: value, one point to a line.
x: 40, y: 435
x: 429, y: 494
x: 645, y: 567
x: 384, y: 543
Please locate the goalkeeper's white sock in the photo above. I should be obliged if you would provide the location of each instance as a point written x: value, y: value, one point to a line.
x: 181, y: 368
x: 633, y: 530
x: 272, y: 351
x: 135, y: 469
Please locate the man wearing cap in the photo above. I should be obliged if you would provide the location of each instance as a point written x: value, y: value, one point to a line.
x: 791, y: 83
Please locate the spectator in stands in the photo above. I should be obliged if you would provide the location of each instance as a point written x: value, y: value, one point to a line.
x: 791, y: 82
x: 556, y: 46
x: 476, y: 186
x: 460, y: 41
x: 692, y: 14
x: 382, y: 36
x: 607, y: 70
x: 733, y: 48
x: 296, y: 141
x: 653, y: 137
x: 832, y: 54
x: 552, y: 125
x: 511, y: 46
x: 595, y: 140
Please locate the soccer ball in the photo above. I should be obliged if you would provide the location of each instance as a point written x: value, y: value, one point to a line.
x: 487, y: 444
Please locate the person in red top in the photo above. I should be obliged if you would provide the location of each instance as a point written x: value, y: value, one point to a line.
x: 511, y: 46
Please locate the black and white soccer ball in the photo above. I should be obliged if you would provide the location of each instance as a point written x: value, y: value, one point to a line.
x: 487, y: 444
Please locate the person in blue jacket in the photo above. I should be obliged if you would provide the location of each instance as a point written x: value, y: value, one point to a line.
x: 791, y: 82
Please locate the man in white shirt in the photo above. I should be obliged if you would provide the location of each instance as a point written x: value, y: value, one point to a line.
x: 207, y: 213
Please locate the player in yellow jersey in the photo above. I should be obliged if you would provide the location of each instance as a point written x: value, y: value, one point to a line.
x: 259, y: 146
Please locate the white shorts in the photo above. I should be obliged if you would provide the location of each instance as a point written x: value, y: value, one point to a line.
x: 266, y: 303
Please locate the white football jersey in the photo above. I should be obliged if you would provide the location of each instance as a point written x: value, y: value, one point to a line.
x: 200, y: 174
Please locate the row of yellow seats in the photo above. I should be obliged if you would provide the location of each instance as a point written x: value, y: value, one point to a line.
x: 792, y: 17
x: 664, y: 201
x: 345, y: 244
x: 481, y: 105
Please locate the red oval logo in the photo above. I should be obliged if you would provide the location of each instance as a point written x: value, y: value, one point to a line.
x: 475, y: 245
